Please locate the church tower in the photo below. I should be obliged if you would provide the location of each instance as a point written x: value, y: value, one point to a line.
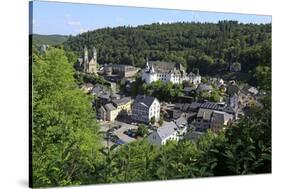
x: 92, y: 66
x: 86, y: 59
x: 94, y: 53
x: 147, y: 68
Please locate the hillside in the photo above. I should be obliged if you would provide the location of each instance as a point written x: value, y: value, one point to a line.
x: 48, y: 39
x: 210, y: 47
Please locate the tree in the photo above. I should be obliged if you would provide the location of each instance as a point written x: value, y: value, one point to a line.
x: 65, y: 139
x: 142, y: 130
x: 161, y: 120
x: 263, y: 76
x: 152, y: 120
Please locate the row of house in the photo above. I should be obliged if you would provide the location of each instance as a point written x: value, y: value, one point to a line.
x: 211, y: 119
x: 110, y: 111
x: 141, y: 109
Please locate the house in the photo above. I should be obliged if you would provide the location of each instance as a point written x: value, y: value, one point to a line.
x: 218, y: 82
x: 99, y: 90
x: 246, y: 99
x: 111, y: 112
x: 182, y: 124
x: 232, y: 105
x: 204, y: 88
x: 173, y: 130
x: 212, y: 119
x: 169, y: 131
x: 203, y: 119
x: 102, y: 114
x: 144, y: 108
x: 168, y: 72
x: 219, y: 119
x: 188, y: 90
x: 123, y: 105
x: 194, y: 79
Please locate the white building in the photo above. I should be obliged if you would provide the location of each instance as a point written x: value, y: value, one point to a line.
x: 174, y: 130
x: 144, y: 108
x: 169, y: 131
x: 168, y: 72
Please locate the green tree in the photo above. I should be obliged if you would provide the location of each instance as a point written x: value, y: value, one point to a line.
x: 65, y: 138
x: 142, y: 130
x: 152, y: 120
x: 263, y: 76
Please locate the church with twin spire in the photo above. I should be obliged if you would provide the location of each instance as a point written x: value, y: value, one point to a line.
x: 88, y: 64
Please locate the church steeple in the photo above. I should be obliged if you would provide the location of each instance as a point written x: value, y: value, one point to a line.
x: 94, y: 54
x: 152, y: 69
x: 147, y: 68
x: 86, y: 59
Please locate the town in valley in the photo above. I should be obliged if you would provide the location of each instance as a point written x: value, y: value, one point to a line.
x: 203, y: 103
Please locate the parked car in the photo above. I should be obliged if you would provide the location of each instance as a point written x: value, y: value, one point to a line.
x: 120, y: 142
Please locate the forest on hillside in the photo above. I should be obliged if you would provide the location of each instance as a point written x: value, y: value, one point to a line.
x: 39, y: 40
x: 211, y: 47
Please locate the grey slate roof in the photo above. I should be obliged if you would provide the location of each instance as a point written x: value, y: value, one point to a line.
x: 109, y: 107
x: 211, y: 105
x: 121, y: 101
x: 181, y: 121
x: 166, y: 130
x: 221, y: 117
x: 161, y: 65
x: 147, y: 100
x: 99, y: 89
x: 203, y: 87
x: 188, y: 89
x: 204, y: 113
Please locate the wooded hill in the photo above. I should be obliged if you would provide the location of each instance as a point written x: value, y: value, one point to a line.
x: 211, y: 47
x: 39, y: 40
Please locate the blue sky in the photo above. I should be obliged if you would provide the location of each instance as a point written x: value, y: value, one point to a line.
x: 74, y: 18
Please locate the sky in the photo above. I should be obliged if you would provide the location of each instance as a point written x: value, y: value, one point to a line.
x: 74, y: 18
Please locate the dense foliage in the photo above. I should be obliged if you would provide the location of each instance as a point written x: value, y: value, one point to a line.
x: 65, y: 142
x: 208, y: 46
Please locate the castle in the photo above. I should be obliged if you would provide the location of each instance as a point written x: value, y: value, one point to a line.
x: 86, y: 64
x: 168, y: 72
